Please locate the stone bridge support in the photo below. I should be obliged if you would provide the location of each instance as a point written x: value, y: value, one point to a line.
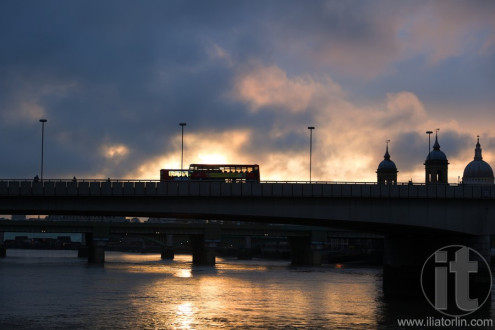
x: 204, y: 246
x: 203, y: 250
x: 96, y: 241
x: 83, y: 250
x: 168, y: 248
x: 405, y: 255
x: 307, y: 251
x: 3, y: 249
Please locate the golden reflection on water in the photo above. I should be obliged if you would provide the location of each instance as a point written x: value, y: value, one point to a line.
x: 184, y: 316
x: 234, y: 294
x: 183, y: 273
x: 137, y: 291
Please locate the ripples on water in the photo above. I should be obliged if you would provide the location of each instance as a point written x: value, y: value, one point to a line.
x: 55, y: 290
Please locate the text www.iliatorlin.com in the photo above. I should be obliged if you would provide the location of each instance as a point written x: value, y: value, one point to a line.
x: 444, y: 322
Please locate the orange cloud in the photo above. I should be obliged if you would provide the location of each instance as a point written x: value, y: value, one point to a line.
x: 208, y: 147
x: 114, y: 151
x: 270, y: 86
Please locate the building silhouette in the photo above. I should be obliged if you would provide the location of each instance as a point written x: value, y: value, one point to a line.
x: 387, y: 171
x: 436, y: 165
x: 478, y: 171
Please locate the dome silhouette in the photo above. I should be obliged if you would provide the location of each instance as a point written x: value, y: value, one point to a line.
x: 387, y: 164
x: 436, y: 153
x: 436, y: 165
x: 478, y: 171
x: 387, y: 171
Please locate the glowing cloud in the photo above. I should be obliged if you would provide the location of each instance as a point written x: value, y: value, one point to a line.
x: 115, y: 151
x: 348, y: 142
x: 270, y: 86
x: 205, y: 147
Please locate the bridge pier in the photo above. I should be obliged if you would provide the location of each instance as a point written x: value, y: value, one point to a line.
x: 246, y: 252
x: 96, y: 242
x: 307, y: 251
x: 96, y: 251
x: 3, y: 249
x: 168, y: 249
x: 204, y: 246
x: 203, y: 251
x: 405, y: 255
x: 83, y: 250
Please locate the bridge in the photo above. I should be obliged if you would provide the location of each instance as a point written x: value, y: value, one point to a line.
x: 415, y: 219
x: 163, y: 233
x: 466, y: 209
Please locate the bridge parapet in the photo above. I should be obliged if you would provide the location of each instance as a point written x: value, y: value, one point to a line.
x: 247, y: 189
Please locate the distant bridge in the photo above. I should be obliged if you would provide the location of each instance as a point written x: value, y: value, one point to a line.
x: 155, y: 229
x: 378, y: 208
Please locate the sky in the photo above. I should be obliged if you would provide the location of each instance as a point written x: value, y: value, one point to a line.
x: 115, y: 78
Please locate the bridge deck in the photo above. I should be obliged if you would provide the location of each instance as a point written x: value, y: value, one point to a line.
x: 248, y: 189
x: 468, y: 209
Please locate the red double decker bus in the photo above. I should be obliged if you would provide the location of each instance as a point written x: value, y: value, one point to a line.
x: 213, y: 172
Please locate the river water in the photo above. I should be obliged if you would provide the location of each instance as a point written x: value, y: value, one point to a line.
x: 56, y: 290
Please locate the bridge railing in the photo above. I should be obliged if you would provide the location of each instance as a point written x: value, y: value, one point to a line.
x: 247, y: 189
x: 216, y: 181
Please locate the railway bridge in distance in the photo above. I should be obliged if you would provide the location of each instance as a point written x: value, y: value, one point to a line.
x: 415, y: 220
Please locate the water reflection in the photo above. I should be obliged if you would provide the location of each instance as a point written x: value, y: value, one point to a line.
x: 183, y: 273
x: 261, y: 294
x: 184, y: 316
x: 143, y: 292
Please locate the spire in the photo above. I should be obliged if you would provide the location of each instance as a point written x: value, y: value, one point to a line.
x: 387, y: 155
x: 436, y: 146
x: 477, y: 151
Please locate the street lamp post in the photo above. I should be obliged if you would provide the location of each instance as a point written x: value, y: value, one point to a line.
x: 182, y: 147
x: 42, y: 121
x: 311, y: 128
x: 429, y: 144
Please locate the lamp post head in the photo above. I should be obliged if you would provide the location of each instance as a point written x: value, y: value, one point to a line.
x: 311, y: 127
x: 43, y: 120
x: 429, y: 132
x: 182, y: 124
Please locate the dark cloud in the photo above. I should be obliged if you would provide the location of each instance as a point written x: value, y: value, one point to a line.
x: 454, y: 143
x: 408, y: 150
